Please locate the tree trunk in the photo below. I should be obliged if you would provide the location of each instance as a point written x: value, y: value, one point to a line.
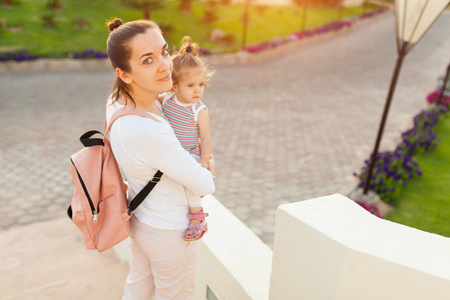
x: 147, y: 13
x: 185, y: 5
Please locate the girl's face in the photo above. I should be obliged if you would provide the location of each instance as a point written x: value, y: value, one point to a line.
x: 151, y: 65
x: 191, y: 87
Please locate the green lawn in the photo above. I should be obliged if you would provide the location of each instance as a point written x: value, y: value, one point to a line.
x: 425, y: 202
x: 265, y: 24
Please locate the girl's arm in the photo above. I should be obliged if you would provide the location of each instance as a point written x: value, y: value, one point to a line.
x: 205, y: 137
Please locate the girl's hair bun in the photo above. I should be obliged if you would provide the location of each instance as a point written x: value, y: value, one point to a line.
x: 114, y: 24
x: 187, y: 46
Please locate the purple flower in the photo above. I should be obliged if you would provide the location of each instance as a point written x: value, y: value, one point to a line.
x: 205, y: 52
x: 89, y: 53
x: 302, y: 34
x: 17, y: 56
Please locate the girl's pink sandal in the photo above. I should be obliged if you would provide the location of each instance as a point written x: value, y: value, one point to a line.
x: 196, y: 230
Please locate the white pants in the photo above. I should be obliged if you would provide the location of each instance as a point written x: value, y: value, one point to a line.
x: 162, y: 264
x: 192, y: 199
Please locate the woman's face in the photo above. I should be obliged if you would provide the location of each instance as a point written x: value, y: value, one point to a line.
x: 151, y: 64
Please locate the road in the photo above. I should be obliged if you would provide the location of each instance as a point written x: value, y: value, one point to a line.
x: 289, y: 129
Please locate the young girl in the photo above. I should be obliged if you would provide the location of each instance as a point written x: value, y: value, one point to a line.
x: 189, y: 119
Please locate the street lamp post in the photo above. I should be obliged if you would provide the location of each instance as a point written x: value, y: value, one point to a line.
x: 444, y: 85
x: 413, y: 18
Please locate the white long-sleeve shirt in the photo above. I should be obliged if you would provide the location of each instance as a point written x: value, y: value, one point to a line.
x: 142, y: 146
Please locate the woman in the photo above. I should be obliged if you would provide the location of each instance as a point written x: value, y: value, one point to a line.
x: 162, y: 264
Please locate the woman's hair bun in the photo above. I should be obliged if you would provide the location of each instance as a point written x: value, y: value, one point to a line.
x: 114, y: 24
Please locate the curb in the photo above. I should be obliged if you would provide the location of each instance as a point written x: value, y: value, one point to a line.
x: 45, y: 64
x: 240, y: 57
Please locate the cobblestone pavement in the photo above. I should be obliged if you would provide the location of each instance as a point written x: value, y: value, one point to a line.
x: 289, y: 129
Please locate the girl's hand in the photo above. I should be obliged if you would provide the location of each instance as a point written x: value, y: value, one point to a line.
x: 204, y: 163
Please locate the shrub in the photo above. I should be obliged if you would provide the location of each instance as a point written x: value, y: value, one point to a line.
x: 3, y: 25
x: 205, y: 52
x: 433, y: 97
x: 10, y: 2
x: 49, y: 20
x: 54, y: 4
x: 372, y: 208
x: 391, y: 170
x: 421, y: 136
x: 81, y: 22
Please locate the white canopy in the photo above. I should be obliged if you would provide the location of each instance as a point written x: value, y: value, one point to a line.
x: 415, y: 17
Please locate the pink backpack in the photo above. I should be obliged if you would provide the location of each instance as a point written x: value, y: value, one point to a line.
x: 99, y: 205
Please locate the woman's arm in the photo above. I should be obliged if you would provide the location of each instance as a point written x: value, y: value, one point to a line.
x: 157, y: 146
x: 205, y: 137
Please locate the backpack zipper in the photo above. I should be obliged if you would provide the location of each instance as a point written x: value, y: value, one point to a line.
x: 91, y: 204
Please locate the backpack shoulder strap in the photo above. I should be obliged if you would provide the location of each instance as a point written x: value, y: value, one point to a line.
x: 127, y: 110
x: 140, y: 197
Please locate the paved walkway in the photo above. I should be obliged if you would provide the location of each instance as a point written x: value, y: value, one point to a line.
x: 289, y: 129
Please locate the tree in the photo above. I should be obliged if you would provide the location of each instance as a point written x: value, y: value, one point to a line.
x: 185, y: 5
x: 340, y: 7
x: 147, y: 6
x: 304, y: 4
x: 210, y: 12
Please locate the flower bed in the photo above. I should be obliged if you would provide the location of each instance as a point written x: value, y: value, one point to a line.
x: 17, y: 56
x: 393, y: 169
x: 90, y: 53
x: 334, y: 26
x: 24, y: 55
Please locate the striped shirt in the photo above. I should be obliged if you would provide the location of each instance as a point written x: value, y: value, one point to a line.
x: 183, y: 119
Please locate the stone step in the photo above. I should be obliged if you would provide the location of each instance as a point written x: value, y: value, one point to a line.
x: 48, y: 260
x: 102, y: 283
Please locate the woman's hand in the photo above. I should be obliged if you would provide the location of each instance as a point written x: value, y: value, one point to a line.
x: 212, y: 165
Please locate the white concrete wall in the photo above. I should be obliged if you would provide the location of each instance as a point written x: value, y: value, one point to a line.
x: 233, y: 261
x: 327, y: 248
x: 330, y: 248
